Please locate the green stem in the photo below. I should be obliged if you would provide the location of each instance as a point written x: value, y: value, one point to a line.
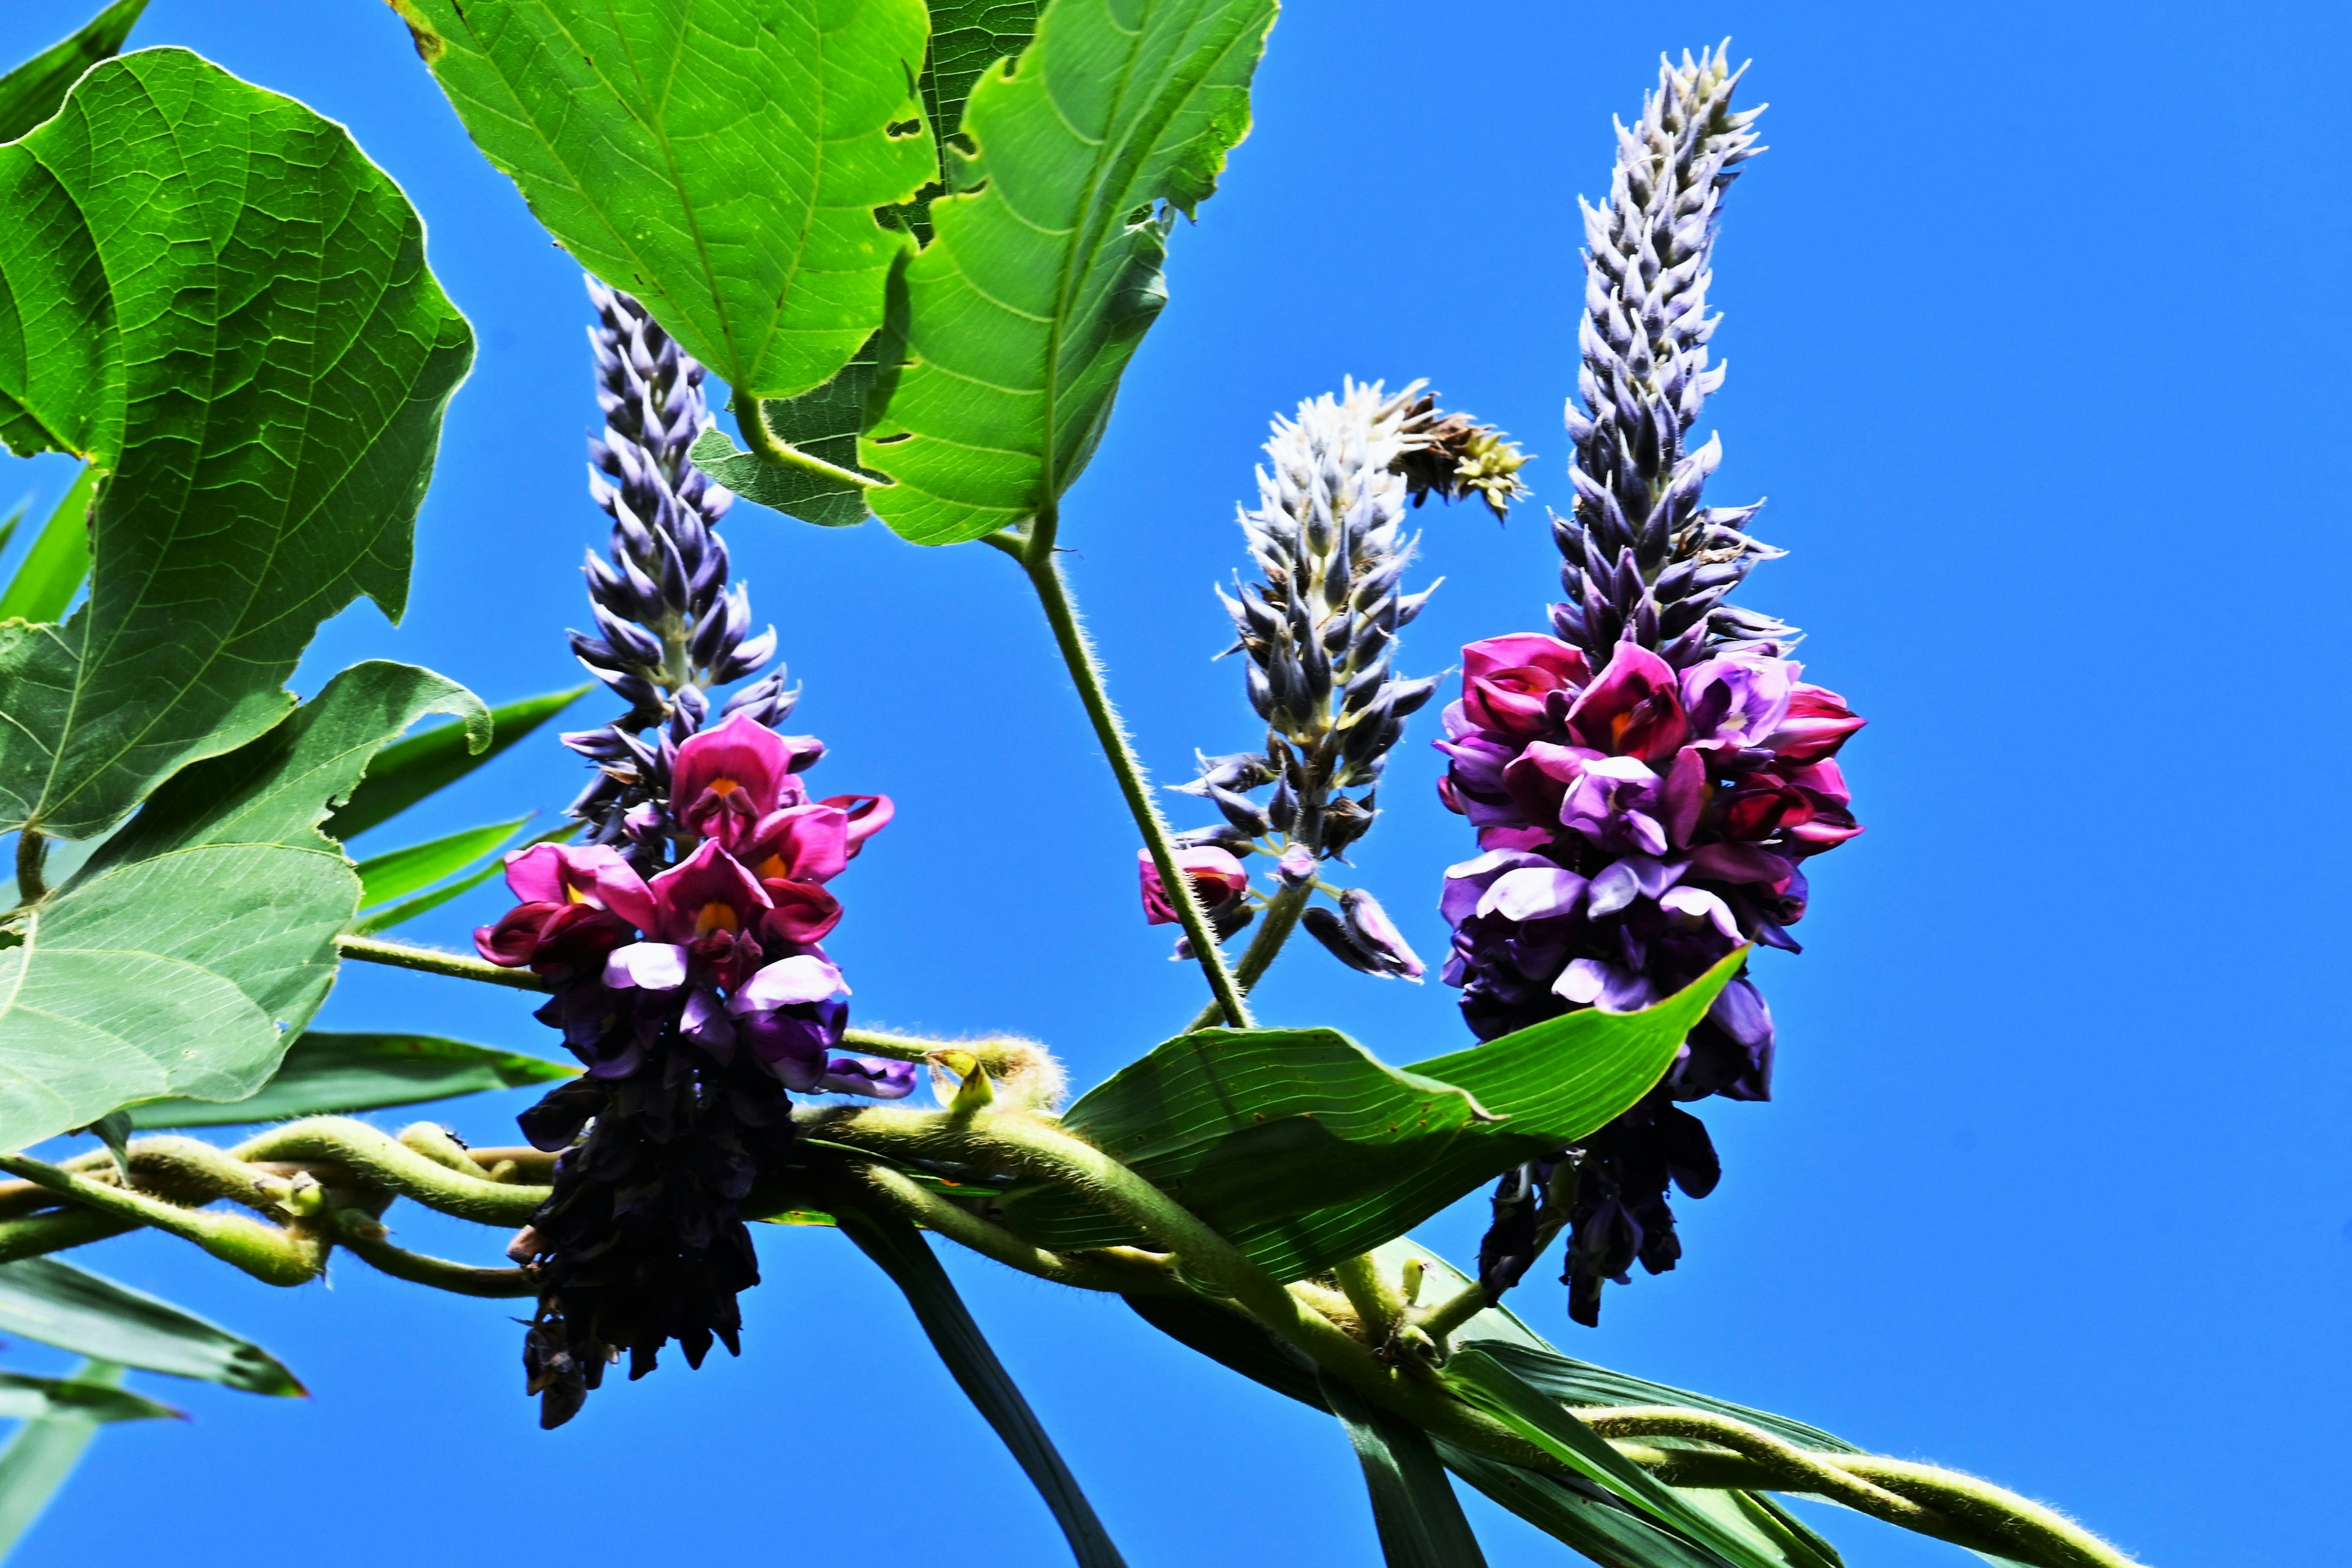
x: 380, y: 1161
x: 961, y: 1226
x: 1038, y: 1150
x: 1045, y: 575
x: 457, y: 965
x: 37, y: 1234
x: 365, y: 1237
x: 270, y: 1255
x: 1274, y: 929
x: 770, y: 448
x: 32, y: 847
x: 1456, y: 1310
x: 1379, y: 1308
x: 999, y: 1053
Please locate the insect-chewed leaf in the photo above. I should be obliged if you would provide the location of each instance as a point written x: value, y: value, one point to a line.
x: 191, y: 948
x: 1043, y: 272
x: 225, y: 307
x: 722, y: 162
x: 1302, y: 1148
x: 32, y: 93
x: 49, y: 1299
x: 327, y: 1073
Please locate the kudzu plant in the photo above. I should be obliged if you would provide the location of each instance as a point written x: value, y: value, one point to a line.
x: 916, y: 248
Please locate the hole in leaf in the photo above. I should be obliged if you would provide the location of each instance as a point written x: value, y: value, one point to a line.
x: 891, y: 440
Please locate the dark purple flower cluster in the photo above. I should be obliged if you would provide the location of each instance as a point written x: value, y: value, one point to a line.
x: 1645, y: 783
x: 681, y: 941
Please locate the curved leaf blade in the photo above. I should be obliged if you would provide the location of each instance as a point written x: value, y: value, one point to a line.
x: 49, y: 1299
x: 899, y: 1250
x: 41, y: 1455
x: 186, y: 954
x: 396, y: 873
x: 720, y: 163
x: 409, y: 769
x: 1420, y: 1519
x: 1302, y: 1148
x: 27, y: 1398
x: 222, y: 304
x: 32, y: 93
x: 327, y: 1073
x: 1023, y: 310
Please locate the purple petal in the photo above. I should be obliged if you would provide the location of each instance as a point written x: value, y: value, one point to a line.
x: 804, y: 977
x: 1533, y: 893
x: 872, y: 1076
x: 649, y: 966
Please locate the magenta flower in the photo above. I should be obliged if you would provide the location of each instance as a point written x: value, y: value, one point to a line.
x: 726, y: 780
x: 1217, y: 878
x: 597, y: 876
x: 1508, y: 683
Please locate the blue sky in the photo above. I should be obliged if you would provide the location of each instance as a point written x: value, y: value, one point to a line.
x: 2035, y: 323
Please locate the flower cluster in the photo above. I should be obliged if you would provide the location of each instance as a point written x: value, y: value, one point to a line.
x: 1318, y: 634
x: 669, y: 627
x: 1646, y: 784
x: 681, y: 941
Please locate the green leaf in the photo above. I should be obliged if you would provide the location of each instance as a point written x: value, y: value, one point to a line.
x: 1302, y: 1149
x: 216, y: 299
x: 1414, y: 1506
x: 1045, y: 274
x: 967, y: 38
x: 52, y: 570
x: 1488, y: 1376
x: 41, y: 1455
x: 407, y: 771
x: 722, y: 163
x: 396, y: 873
x: 823, y: 424
x: 1578, y: 1513
x: 172, y: 960
x: 32, y: 93
x: 424, y: 903
x: 899, y: 1249
x: 331, y: 1074
x: 51, y: 1300
x: 27, y: 1398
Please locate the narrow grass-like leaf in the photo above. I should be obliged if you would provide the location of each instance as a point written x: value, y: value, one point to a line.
x: 186, y: 954
x: 396, y: 873
x: 1419, y: 1518
x: 418, y: 766
x: 32, y: 93
x: 722, y: 163
x: 55, y: 566
x: 23, y: 1397
x: 224, y: 308
x: 1579, y: 1514
x: 1482, y: 1374
x: 41, y: 1455
x: 49, y: 1299
x: 1303, y: 1148
x: 899, y: 1250
x: 327, y: 1073
x: 1045, y: 271
x: 426, y: 903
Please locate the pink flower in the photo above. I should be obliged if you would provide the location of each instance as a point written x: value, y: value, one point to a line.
x: 1215, y: 874
x: 800, y: 843
x: 1509, y: 682
x: 1816, y: 725
x: 595, y: 875
x: 726, y: 779
x: 868, y: 815
x: 1633, y: 708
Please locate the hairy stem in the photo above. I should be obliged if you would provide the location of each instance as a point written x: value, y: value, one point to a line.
x: 429, y: 960
x: 36, y: 1235
x: 276, y: 1257
x: 770, y: 448
x: 961, y: 1226
x: 1274, y: 929
x: 380, y: 1161
x: 999, y: 1053
x: 1038, y: 1150
x: 1045, y: 575
x: 1378, y: 1307
x: 365, y: 1237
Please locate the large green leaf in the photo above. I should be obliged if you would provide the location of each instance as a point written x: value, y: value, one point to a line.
x: 190, y: 949
x: 53, y: 570
x: 210, y: 294
x: 31, y: 93
x: 330, y: 1074
x: 1419, y: 1518
x: 899, y: 1249
x: 431, y: 759
x: 1045, y: 273
x: 1302, y: 1149
x: 49, y: 1299
x: 722, y: 163
x: 41, y: 1455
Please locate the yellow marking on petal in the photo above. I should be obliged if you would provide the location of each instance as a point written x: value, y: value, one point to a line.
x: 722, y: 788
x: 773, y: 865
x: 716, y: 916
